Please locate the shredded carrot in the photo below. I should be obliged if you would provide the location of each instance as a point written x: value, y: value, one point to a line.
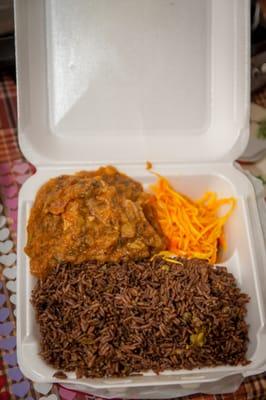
x: 193, y: 228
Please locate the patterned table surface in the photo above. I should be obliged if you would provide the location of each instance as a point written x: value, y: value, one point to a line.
x: 14, y: 170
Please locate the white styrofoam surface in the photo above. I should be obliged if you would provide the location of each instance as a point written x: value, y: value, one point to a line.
x: 124, y: 80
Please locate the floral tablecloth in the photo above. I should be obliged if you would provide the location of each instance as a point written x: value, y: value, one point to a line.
x: 14, y: 170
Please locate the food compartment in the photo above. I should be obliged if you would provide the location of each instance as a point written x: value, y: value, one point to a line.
x: 239, y: 258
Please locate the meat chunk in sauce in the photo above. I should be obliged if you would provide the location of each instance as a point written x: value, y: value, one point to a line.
x: 102, y: 215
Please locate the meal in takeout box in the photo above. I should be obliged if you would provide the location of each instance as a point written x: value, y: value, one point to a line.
x: 126, y: 277
x: 155, y: 275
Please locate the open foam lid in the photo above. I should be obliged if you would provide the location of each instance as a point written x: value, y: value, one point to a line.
x: 132, y: 80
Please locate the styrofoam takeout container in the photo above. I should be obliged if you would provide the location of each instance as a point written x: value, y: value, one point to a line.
x: 125, y: 81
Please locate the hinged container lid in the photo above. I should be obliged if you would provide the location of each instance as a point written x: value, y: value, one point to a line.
x: 132, y: 80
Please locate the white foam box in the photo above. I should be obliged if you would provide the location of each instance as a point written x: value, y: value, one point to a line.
x: 125, y: 81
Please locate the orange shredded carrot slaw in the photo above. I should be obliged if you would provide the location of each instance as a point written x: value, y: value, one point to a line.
x: 194, y: 229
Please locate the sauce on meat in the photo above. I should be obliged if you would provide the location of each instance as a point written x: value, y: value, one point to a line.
x: 102, y: 215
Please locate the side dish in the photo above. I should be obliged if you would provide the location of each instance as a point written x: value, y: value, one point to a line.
x: 121, y: 319
x: 193, y: 228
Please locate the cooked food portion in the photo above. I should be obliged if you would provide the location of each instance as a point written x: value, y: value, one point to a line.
x: 101, y: 215
x: 125, y: 318
x: 193, y: 228
x: 115, y: 295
